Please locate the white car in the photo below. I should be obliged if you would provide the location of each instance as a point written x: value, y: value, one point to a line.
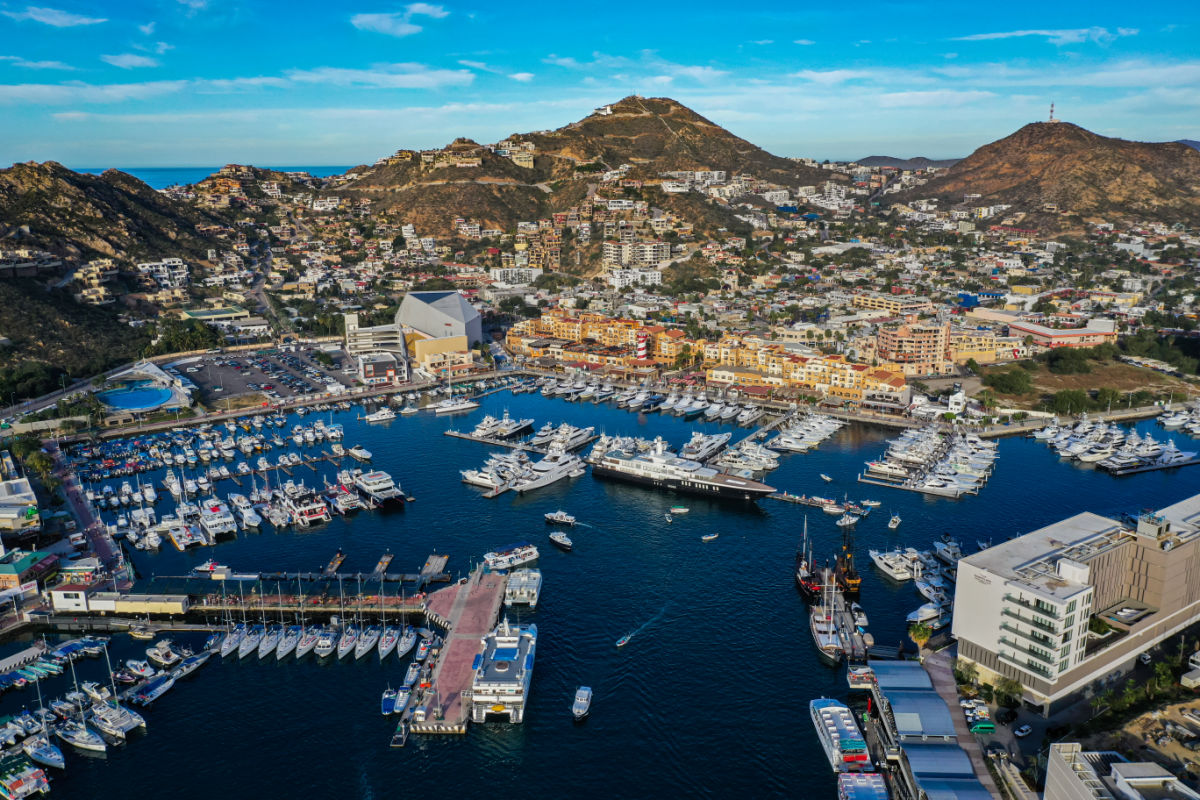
x: 1023, y: 731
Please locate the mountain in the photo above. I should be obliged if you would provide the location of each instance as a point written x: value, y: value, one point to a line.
x: 1082, y: 173
x: 652, y: 135
x: 50, y: 207
x: 1190, y: 143
x: 920, y: 162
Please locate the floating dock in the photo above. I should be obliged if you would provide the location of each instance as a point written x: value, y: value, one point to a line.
x: 382, y: 565
x: 515, y: 444
x: 335, y: 564
x: 931, y: 492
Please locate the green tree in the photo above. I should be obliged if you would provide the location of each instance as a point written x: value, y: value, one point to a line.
x: 920, y: 633
x: 1008, y: 692
x: 41, y: 463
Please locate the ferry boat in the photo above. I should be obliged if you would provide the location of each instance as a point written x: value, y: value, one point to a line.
x: 840, y: 736
x: 503, y: 673
x: 512, y: 556
x: 379, y: 488
x: 523, y: 588
x: 663, y: 469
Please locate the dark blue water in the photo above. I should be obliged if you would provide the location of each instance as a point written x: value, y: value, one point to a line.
x: 162, y: 177
x: 709, y: 699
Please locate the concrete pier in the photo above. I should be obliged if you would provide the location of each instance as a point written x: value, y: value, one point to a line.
x: 468, y: 610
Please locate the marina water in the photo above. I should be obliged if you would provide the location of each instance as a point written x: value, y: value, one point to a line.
x: 710, y: 698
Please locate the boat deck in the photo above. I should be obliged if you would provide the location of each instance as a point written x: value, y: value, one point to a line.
x: 468, y: 611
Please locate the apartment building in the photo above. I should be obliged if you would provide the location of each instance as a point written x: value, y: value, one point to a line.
x: 1073, y: 773
x: 635, y: 254
x: 169, y: 273
x: 622, y: 278
x: 917, y: 349
x: 894, y: 304
x: 1024, y: 609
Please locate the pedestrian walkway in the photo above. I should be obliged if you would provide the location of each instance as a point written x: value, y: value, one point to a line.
x: 938, y: 666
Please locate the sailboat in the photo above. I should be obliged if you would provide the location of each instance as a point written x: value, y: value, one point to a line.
x: 408, y: 640
x: 76, y: 733
x: 369, y: 638
x: 349, y: 636
x: 270, y: 640
x: 38, y: 747
x: 391, y: 634
x: 294, y: 633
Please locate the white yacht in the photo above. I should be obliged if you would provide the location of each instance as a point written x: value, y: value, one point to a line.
x: 553, y: 467
x: 453, y: 405
x: 891, y: 563
x: 662, y: 469
x: 384, y: 414
x: 512, y: 556
x: 378, y: 488
x: 215, y: 518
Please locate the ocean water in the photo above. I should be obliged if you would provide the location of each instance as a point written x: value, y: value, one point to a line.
x: 162, y: 177
x: 709, y: 699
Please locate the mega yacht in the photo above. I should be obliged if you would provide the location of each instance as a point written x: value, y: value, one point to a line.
x: 378, y: 488
x: 554, y: 466
x: 840, y: 736
x: 663, y: 469
x: 703, y: 446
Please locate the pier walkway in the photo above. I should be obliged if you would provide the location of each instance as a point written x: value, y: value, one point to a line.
x: 468, y: 610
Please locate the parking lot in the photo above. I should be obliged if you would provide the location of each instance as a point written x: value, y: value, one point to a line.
x: 274, y: 374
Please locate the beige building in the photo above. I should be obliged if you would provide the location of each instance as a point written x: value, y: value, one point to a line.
x: 1024, y: 609
x: 917, y: 349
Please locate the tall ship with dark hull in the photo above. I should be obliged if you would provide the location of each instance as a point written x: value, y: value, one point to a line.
x: 662, y: 469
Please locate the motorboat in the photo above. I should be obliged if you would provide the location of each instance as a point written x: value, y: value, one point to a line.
x: 894, y: 522
x: 560, y: 517
x: 326, y: 644
x: 387, y: 705
x: 163, y: 654
x: 561, y: 540
x: 582, y: 703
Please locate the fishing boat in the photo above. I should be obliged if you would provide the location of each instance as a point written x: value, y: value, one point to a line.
x: 894, y: 522
x: 562, y: 541
x: 624, y: 640
x: 582, y: 704
x: 708, y: 537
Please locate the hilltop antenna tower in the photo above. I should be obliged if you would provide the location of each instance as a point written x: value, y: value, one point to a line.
x: 1052, y: 119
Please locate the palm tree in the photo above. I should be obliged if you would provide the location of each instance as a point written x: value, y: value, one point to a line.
x: 920, y: 633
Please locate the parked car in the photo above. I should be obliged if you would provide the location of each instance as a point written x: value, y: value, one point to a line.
x: 1023, y: 731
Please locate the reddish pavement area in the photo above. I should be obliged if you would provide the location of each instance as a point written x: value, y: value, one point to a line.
x: 471, y: 616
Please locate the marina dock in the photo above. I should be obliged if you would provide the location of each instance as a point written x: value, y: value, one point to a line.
x: 514, y: 444
x: 468, y: 610
x: 1151, y: 467
x: 854, y: 644
x: 382, y: 565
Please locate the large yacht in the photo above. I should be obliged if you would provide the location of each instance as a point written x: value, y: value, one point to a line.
x: 554, y: 466
x: 378, y: 487
x: 503, y: 673
x: 663, y: 469
x: 839, y: 734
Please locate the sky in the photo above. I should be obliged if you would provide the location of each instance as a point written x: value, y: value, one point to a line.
x: 142, y: 83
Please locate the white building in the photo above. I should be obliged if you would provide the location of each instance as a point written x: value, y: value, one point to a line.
x: 620, y: 278
x: 515, y: 276
x: 169, y: 273
x: 1022, y: 609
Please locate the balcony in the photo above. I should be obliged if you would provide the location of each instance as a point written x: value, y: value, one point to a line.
x: 1044, y: 611
x: 1028, y: 666
x: 1049, y: 642
x: 1050, y: 660
x: 1030, y: 621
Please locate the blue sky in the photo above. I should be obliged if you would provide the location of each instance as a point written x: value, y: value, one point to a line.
x: 205, y: 82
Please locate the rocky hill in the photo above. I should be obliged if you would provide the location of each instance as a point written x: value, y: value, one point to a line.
x: 654, y: 135
x: 1192, y: 143
x: 50, y: 207
x: 1048, y: 165
x: 920, y: 162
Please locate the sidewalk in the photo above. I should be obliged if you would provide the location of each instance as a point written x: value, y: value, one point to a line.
x: 938, y: 666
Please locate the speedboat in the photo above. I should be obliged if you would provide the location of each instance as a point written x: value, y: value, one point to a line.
x: 826, y: 478
x: 326, y: 644
x: 582, y: 704
x: 624, y: 640
x: 894, y: 522
x: 140, y: 668
x: 423, y: 649
x: 414, y: 672
x: 388, y: 704
x: 560, y: 517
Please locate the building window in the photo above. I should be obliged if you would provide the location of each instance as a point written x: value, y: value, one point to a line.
x: 1071, y: 607
x: 1062, y: 666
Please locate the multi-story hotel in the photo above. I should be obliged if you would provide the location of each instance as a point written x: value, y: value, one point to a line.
x: 918, y: 349
x: 1024, y: 609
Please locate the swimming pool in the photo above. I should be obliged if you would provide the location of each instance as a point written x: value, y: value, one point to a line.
x: 135, y: 396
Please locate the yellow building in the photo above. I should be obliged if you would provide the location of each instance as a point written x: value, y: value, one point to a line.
x: 447, y: 355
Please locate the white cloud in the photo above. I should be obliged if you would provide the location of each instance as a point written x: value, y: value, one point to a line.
x: 194, y: 5
x: 129, y: 61
x: 763, y: 41
x: 832, y: 77
x: 803, y: 41
x: 53, y: 17
x: 398, y: 23
x: 17, y: 61
x: 562, y: 61
x: 148, y: 28
x: 701, y: 74
x: 1056, y: 37
x: 479, y: 65
x: 77, y: 92
x: 386, y: 76
x: 522, y: 77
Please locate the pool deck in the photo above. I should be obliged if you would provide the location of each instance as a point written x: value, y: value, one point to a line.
x: 471, y: 610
